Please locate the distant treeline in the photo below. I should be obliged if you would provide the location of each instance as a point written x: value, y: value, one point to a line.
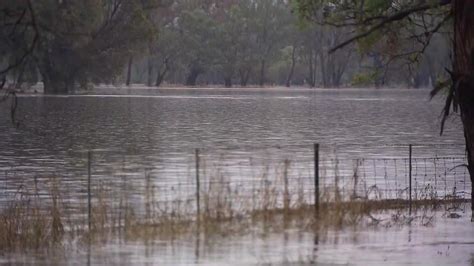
x: 78, y: 43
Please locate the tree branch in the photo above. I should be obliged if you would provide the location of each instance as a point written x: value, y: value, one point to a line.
x: 395, y: 17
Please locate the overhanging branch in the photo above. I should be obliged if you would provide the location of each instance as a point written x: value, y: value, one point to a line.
x: 395, y: 17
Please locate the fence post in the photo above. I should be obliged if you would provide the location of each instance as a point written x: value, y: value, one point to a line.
x: 198, y: 186
x: 286, y: 193
x: 410, y: 167
x: 89, y: 194
x: 316, y: 178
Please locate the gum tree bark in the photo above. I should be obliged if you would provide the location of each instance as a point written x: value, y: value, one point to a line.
x: 463, y: 77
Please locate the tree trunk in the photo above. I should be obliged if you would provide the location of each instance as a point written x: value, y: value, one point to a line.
x: 160, y: 76
x: 464, y: 75
x: 322, y: 61
x: 339, y: 73
x: 52, y: 83
x: 52, y: 80
x: 261, y: 80
x: 379, y: 69
x: 466, y: 98
x: 311, y: 79
x: 244, y: 77
x: 192, y: 77
x: 55, y: 86
x: 228, y: 82
x: 149, y: 81
x: 19, y: 78
x: 129, y: 71
x: 292, y: 68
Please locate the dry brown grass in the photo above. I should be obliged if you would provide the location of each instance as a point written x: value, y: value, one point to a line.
x: 30, y: 222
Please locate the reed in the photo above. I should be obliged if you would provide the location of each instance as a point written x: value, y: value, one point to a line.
x: 272, y: 202
x: 32, y: 222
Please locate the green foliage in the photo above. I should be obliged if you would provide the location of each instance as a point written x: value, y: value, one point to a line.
x: 91, y: 41
x: 366, y: 44
x: 377, y: 6
x: 229, y: 38
x: 364, y: 79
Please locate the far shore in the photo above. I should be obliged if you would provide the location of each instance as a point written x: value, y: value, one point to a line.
x: 38, y: 88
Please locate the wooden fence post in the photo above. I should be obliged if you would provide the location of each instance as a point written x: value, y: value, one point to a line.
x: 316, y: 178
x: 198, y: 185
x: 89, y: 193
x: 410, y: 168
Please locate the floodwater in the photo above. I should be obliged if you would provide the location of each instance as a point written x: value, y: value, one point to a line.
x: 153, y: 121
x: 241, y: 132
x: 443, y: 241
x: 143, y: 132
x: 165, y: 126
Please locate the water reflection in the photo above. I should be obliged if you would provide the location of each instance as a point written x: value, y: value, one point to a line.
x: 240, y: 131
x: 163, y: 130
x: 446, y: 242
x: 182, y: 120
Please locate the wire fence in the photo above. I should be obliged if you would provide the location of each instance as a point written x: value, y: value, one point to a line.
x: 238, y: 181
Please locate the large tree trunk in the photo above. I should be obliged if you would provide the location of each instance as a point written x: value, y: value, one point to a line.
x: 52, y: 84
x: 53, y: 87
x: 192, y: 77
x: 464, y: 75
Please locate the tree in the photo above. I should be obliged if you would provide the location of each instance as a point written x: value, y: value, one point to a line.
x: 230, y: 42
x: 19, y: 35
x: 392, y: 21
x: 164, y: 50
x: 165, y: 53
x: 245, y: 36
x: 88, y: 41
x: 269, y: 19
x: 18, y: 40
x: 197, y: 31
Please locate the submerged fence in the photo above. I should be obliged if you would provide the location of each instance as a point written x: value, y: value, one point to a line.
x: 233, y: 182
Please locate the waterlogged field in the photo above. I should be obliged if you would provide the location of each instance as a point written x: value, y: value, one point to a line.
x: 426, y: 237
x: 243, y: 134
x: 141, y: 167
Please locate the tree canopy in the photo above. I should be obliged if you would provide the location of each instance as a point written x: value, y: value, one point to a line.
x: 72, y: 44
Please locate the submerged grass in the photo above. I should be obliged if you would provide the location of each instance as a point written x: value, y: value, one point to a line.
x: 34, y: 220
x: 27, y: 224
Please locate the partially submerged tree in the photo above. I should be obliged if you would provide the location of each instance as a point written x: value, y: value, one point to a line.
x: 88, y: 41
x: 197, y: 34
x: 19, y: 34
x: 390, y: 22
x: 18, y: 40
